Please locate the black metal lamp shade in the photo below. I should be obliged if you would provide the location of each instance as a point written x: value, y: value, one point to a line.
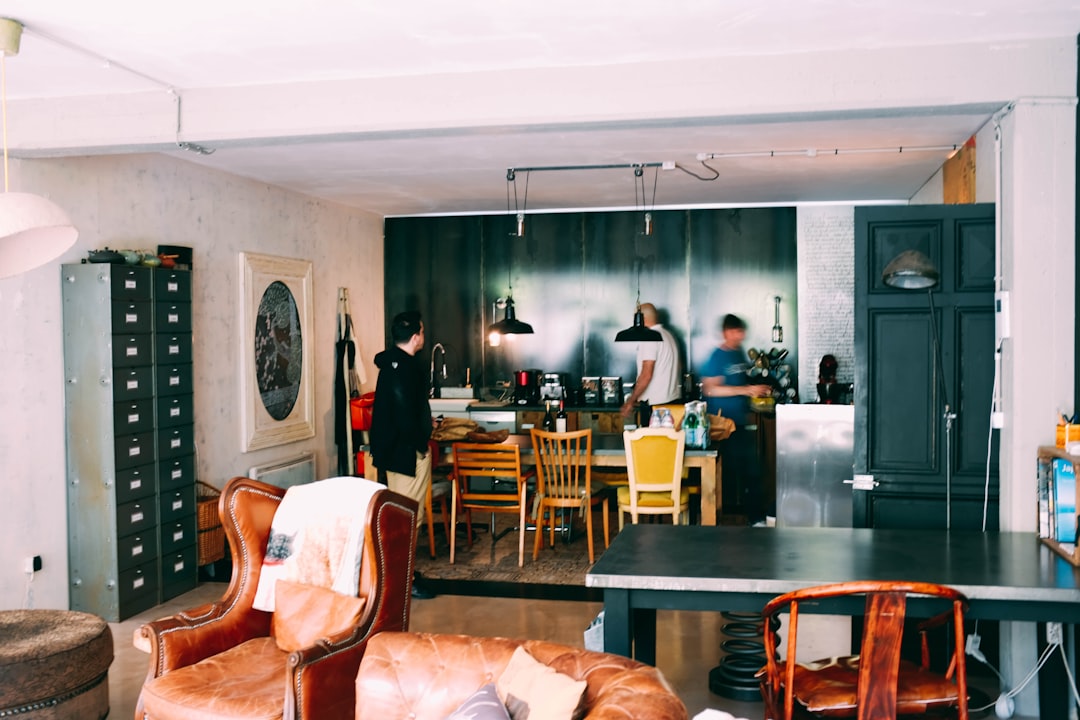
x: 510, y: 325
x: 911, y: 270
x: 638, y: 332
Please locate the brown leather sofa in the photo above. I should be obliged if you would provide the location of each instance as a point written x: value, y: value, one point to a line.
x: 219, y: 660
x: 424, y: 676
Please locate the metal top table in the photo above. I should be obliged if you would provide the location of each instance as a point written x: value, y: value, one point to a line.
x: 1006, y: 576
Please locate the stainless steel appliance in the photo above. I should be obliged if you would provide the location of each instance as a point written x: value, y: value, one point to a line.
x: 553, y: 386
x: 815, y: 457
x: 527, y: 387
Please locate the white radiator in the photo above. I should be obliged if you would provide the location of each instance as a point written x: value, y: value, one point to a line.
x: 286, y: 473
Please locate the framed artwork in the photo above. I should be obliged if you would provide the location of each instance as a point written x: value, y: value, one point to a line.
x: 276, y: 351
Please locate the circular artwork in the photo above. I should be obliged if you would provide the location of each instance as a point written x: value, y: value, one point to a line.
x: 279, y: 350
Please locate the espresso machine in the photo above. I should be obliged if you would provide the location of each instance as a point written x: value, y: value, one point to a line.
x: 527, y: 387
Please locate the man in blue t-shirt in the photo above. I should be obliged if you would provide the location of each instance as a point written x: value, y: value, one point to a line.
x: 724, y: 385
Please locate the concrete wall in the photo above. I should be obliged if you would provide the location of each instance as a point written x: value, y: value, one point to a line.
x: 139, y: 201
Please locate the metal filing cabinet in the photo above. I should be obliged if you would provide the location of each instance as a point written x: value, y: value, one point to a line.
x: 130, y: 449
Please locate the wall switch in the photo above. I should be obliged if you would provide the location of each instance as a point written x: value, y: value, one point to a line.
x: 33, y: 564
x: 1001, y: 314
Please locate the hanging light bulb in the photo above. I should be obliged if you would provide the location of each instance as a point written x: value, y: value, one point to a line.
x: 510, y: 325
x: 33, y: 229
x: 637, y: 332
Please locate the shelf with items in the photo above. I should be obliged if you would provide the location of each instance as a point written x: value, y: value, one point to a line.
x: 1057, y: 501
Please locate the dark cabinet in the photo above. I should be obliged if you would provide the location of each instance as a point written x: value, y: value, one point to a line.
x: 130, y: 437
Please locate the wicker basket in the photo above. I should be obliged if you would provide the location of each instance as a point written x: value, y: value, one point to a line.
x: 211, y: 533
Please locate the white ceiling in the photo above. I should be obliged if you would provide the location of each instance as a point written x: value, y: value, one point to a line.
x: 417, y: 106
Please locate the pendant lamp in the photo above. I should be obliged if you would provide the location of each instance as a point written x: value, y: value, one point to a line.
x: 510, y: 325
x: 638, y: 332
x: 33, y: 229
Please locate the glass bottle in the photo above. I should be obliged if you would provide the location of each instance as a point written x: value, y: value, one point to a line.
x: 549, y: 421
x: 560, y: 418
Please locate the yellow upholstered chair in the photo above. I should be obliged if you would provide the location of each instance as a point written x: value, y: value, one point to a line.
x: 488, y: 478
x: 654, y: 466
x: 564, y: 481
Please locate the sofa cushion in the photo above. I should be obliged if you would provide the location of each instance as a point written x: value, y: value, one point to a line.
x: 484, y: 704
x: 305, y: 613
x: 535, y: 691
x: 243, y: 681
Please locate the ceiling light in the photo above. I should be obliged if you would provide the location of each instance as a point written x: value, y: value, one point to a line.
x: 638, y: 332
x: 33, y: 229
x: 510, y: 325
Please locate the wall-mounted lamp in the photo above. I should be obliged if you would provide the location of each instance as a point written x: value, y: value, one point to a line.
x: 33, y: 229
x: 777, y: 328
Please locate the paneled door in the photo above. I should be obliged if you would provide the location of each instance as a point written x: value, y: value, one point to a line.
x: 920, y: 468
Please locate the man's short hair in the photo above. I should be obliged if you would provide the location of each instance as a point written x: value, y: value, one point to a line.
x: 404, y: 326
x: 732, y: 322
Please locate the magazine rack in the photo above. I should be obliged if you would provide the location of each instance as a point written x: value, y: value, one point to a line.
x: 1057, y: 507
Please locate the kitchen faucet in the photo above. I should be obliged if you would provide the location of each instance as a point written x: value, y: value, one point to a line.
x: 437, y: 346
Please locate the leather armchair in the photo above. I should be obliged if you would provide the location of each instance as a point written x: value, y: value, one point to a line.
x: 425, y: 676
x: 232, y: 666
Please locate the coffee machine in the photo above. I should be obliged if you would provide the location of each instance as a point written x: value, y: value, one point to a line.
x: 527, y: 387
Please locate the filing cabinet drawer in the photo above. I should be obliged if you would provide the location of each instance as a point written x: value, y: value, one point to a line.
x: 132, y: 317
x: 137, y: 516
x: 172, y: 317
x: 173, y: 348
x: 137, y: 588
x: 133, y: 383
x: 174, y: 410
x: 132, y: 417
x: 132, y: 550
x: 134, y: 483
x: 174, y: 472
x: 178, y: 534
x: 132, y: 450
x: 172, y: 285
x: 130, y: 350
x: 175, y: 504
x: 174, y: 380
x: 130, y: 283
x: 179, y: 572
x: 176, y: 441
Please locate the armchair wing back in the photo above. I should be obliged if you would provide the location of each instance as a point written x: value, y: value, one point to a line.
x: 221, y: 660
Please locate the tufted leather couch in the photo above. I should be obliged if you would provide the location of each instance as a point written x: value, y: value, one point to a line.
x: 424, y: 676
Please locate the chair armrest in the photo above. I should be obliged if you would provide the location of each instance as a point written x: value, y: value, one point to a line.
x: 193, y: 635
x: 318, y: 674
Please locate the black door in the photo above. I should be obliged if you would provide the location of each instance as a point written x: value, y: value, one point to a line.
x: 902, y: 437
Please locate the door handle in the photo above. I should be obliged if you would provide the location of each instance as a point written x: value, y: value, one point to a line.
x: 862, y: 482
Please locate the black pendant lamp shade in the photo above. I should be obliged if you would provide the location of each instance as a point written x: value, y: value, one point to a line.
x: 510, y: 325
x: 911, y: 270
x: 638, y: 332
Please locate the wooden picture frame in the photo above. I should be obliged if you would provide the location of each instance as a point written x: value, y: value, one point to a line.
x: 276, y: 351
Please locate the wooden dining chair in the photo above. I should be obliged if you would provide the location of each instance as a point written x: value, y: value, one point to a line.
x: 654, y: 466
x: 564, y: 481
x: 876, y: 684
x: 488, y: 477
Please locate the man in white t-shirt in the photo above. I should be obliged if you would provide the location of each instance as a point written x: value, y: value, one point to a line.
x: 657, y: 365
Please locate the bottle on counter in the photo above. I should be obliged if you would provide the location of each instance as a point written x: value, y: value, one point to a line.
x: 560, y: 418
x: 692, y: 428
x: 548, y: 425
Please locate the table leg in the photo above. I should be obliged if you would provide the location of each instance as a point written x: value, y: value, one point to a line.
x: 711, y: 490
x: 644, y: 635
x: 618, y: 633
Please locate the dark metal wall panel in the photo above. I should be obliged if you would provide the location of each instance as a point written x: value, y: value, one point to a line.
x: 976, y: 376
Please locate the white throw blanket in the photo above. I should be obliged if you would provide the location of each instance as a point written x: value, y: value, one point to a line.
x: 317, y: 537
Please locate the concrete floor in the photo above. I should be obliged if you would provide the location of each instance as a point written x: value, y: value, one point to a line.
x: 688, y: 642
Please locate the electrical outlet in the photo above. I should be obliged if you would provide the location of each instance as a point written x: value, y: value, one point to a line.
x: 1053, y: 633
x: 972, y: 646
x: 33, y: 564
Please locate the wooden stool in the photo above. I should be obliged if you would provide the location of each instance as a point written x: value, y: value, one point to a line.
x: 54, y: 665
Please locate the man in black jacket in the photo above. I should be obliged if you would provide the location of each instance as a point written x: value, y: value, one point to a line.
x: 401, y: 417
